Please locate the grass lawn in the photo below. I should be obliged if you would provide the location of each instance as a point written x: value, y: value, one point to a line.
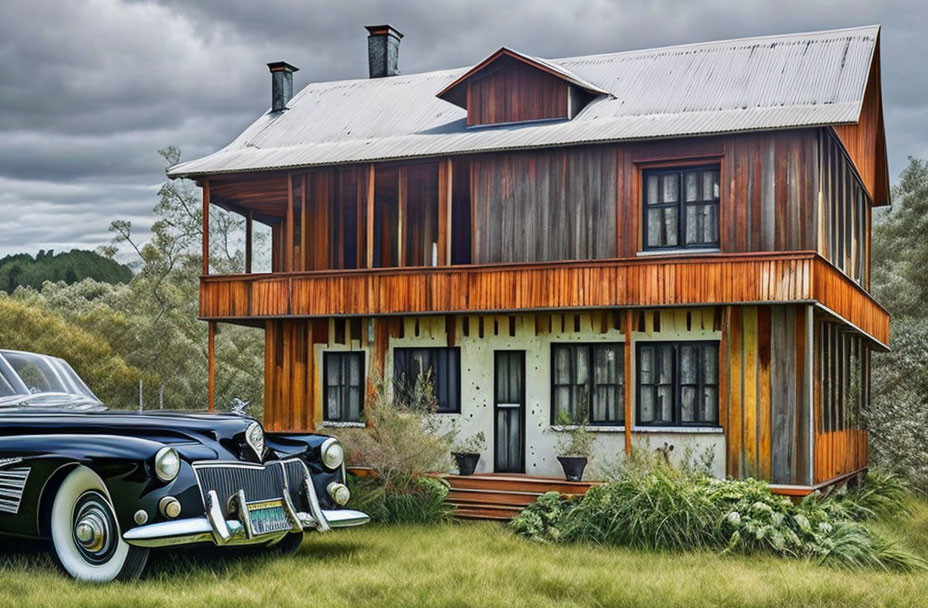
x: 471, y: 564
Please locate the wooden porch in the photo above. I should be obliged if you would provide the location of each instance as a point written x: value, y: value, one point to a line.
x: 501, y: 496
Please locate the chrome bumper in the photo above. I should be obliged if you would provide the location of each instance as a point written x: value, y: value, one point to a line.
x: 214, y: 527
x: 225, y: 532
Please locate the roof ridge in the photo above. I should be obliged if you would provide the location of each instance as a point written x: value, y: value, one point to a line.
x: 719, y: 42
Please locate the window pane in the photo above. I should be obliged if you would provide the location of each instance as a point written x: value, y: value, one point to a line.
x: 710, y: 406
x: 689, y: 364
x: 646, y: 365
x: 702, y: 224
x: 691, y: 184
x: 710, y: 364
x: 647, y: 405
x: 561, y: 365
x: 583, y: 366
x: 670, y: 185
x: 561, y: 401
x: 688, y: 404
x: 710, y: 188
x: 652, y: 190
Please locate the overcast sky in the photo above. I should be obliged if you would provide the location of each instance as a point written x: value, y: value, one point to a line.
x: 89, y: 91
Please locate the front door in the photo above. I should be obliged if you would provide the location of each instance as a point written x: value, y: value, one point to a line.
x: 509, y: 411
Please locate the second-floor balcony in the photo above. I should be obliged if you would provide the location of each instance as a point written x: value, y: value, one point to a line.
x: 651, y: 281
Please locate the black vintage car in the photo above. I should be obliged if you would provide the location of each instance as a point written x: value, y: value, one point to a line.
x: 106, y: 486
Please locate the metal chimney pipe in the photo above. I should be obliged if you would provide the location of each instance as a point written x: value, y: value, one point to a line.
x: 281, y: 84
x: 383, y: 50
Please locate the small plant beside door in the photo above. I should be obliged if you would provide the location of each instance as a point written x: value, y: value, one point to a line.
x: 467, y: 453
x: 574, y: 446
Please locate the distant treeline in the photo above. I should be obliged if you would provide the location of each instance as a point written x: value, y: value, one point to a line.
x: 71, y: 267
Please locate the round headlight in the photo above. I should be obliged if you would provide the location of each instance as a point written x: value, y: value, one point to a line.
x: 339, y: 493
x: 254, y: 437
x: 332, y: 453
x: 167, y: 464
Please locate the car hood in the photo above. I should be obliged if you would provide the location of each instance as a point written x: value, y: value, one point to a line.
x: 196, y: 436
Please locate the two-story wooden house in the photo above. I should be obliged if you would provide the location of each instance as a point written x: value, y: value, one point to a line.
x: 672, y: 243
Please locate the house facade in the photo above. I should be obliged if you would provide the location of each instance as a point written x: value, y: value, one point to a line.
x: 672, y: 245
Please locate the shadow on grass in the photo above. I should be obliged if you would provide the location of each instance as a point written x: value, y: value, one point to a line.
x: 193, y: 560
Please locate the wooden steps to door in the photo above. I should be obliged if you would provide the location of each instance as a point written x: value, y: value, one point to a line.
x: 501, y: 497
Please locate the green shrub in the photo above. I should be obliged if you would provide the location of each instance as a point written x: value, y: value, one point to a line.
x: 543, y: 520
x: 422, y: 501
x: 672, y: 509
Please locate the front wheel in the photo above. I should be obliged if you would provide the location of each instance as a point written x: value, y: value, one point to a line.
x: 85, y: 533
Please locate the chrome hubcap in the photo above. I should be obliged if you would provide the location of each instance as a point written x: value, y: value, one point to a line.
x: 91, y: 532
x: 94, y: 527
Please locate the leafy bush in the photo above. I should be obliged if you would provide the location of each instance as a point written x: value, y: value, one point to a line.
x: 422, y: 501
x: 401, y: 441
x: 402, y: 445
x: 666, y: 508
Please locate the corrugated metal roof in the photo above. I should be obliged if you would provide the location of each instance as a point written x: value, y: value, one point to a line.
x: 771, y: 82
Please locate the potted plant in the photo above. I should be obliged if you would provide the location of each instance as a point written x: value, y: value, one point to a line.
x: 574, y: 446
x: 467, y: 453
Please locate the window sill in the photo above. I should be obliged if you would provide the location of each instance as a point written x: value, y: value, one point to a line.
x: 559, y: 428
x: 693, y: 430
x: 332, y: 424
x: 681, y: 251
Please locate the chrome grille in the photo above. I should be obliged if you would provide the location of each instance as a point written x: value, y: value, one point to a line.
x: 259, y: 482
x: 12, y: 484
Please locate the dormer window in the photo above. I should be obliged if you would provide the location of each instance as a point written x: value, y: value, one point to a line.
x: 511, y: 87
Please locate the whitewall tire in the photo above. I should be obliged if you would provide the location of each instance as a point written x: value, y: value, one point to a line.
x: 85, y: 534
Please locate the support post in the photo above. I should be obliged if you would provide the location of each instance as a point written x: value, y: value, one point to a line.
x: 371, y: 176
x: 249, y: 230
x: 401, y: 195
x: 205, y: 227
x: 288, y: 228
x: 211, y: 355
x: 445, y: 182
x: 629, y: 380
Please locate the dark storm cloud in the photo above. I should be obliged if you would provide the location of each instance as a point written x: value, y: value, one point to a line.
x: 90, y: 90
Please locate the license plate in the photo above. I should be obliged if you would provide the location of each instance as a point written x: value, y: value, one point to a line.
x: 268, y: 517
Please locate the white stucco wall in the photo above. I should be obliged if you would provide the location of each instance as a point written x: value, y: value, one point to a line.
x: 477, y: 377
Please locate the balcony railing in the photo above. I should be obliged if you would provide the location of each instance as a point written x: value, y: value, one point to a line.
x: 757, y: 278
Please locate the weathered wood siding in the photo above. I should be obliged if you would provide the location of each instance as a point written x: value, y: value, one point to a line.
x: 865, y: 141
x: 766, y: 400
x: 514, y: 92
x: 548, y: 205
x: 291, y: 391
x: 841, y: 392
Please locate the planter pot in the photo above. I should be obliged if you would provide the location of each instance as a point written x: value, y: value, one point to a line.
x: 467, y: 462
x: 573, y: 466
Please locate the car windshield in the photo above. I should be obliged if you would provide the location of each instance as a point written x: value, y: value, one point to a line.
x: 26, y: 377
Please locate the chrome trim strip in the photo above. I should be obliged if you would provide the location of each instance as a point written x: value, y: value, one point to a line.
x: 12, y: 486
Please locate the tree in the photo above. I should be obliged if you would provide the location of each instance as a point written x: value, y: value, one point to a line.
x: 898, y: 416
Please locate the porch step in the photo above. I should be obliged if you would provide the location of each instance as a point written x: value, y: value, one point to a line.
x: 501, y: 497
x: 518, y: 483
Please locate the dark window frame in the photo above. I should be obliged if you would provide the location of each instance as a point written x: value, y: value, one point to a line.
x: 680, y: 205
x: 455, y: 396
x: 677, y: 405
x: 327, y: 360
x: 620, y: 348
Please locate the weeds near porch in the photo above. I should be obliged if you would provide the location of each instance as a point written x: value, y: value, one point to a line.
x: 672, y: 509
x: 401, y: 444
